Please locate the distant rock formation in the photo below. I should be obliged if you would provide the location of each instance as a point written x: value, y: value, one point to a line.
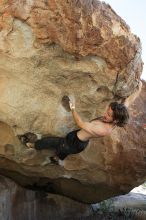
x: 21, y: 204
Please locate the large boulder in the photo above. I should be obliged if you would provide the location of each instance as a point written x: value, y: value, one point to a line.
x: 53, y: 49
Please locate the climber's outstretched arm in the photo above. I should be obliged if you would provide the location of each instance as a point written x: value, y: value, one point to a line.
x: 87, y: 126
x: 77, y: 118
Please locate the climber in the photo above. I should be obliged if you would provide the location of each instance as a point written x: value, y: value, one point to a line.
x: 77, y: 140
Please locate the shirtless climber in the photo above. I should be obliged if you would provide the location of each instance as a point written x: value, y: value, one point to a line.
x: 77, y: 140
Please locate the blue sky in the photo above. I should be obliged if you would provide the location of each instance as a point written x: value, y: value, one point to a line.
x: 134, y: 14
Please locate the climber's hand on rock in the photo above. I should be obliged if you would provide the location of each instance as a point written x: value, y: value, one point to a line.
x: 71, y: 102
x: 71, y: 105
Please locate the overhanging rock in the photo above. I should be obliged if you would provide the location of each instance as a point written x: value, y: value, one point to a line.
x: 50, y: 50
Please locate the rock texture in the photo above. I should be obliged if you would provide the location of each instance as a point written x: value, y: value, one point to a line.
x: 21, y: 204
x: 50, y: 50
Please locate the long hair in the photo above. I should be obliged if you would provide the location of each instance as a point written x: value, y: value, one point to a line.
x: 120, y: 113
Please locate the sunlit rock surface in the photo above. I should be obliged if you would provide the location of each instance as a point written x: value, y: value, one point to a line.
x: 53, y: 49
x: 49, y: 49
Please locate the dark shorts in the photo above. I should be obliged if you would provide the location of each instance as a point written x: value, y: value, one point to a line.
x: 71, y: 144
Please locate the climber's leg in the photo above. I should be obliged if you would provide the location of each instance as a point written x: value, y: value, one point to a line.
x: 48, y: 143
x: 56, y: 143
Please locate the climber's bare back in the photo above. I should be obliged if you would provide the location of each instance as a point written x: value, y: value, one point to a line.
x: 94, y: 129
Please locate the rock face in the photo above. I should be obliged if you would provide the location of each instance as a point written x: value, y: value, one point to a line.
x: 50, y: 50
x: 21, y: 204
